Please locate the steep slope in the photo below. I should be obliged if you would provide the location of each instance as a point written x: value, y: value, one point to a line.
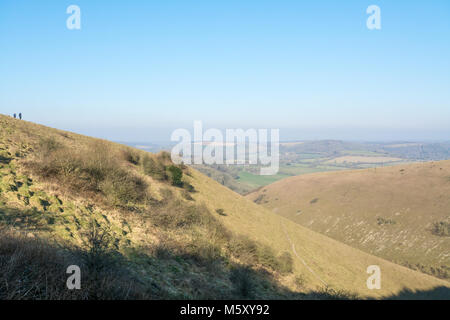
x: 167, y: 231
x: 401, y: 213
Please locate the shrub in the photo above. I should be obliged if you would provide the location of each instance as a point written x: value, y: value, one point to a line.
x: 259, y: 199
x: 383, y: 221
x: 285, y: 263
x: 250, y: 252
x: 205, y: 252
x: 175, y: 214
x: 175, y: 175
x: 328, y: 293
x: 188, y: 187
x: 48, y: 145
x: 154, y: 168
x: 242, y: 279
x: 441, y: 229
x: 186, y: 195
x: 123, y: 189
x: 221, y: 212
x: 131, y: 156
x: 300, y: 282
x: 98, y: 241
x: 266, y: 257
x: 94, y: 171
x: 164, y: 157
x: 243, y: 249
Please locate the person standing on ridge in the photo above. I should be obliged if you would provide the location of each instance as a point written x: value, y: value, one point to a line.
x: 15, y: 116
x: 20, y: 115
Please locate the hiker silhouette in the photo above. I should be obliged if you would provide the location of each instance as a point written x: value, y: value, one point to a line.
x: 15, y: 116
x: 20, y: 116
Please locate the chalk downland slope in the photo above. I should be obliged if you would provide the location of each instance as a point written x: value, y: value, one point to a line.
x: 141, y: 227
x: 400, y: 213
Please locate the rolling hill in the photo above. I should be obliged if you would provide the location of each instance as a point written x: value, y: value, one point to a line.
x: 141, y: 227
x: 400, y: 213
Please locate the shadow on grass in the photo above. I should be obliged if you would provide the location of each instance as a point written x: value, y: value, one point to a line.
x: 35, y: 269
x: 438, y: 293
x: 5, y: 160
x: 27, y: 220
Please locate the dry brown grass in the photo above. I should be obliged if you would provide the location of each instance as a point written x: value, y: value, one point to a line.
x: 340, y: 266
x: 391, y: 212
x: 90, y: 172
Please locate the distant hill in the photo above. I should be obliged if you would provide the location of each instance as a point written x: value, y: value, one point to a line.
x: 400, y: 213
x: 305, y: 157
x: 141, y: 227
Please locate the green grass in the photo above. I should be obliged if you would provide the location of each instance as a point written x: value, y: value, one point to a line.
x: 309, y: 155
x: 256, y: 181
x: 309, y: 160
x: 363, y: 153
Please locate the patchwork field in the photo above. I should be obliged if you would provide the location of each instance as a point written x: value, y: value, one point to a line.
x: 361, y: 159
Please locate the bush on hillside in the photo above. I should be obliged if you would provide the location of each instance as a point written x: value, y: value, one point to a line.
x: 188, y: 187
x: 300, y: 281
x: 383, y: 221
x: 93, y: 171
x: 175, y: 175
x: 48, y: 145
x: 221, y: 212
x: 285, y: 263
x: 441, y: 229
x: 164, y: 157
x: 250, y: 252
x: 176, y: 214
x: 242, y: 279
x: 328, y: 293
x: 123, y: 189
x: 154, y: 168
x: 131, y: 156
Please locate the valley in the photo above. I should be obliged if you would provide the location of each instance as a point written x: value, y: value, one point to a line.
x: 149, y: 229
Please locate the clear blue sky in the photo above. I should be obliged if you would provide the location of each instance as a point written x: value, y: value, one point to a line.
x: 138, y: 69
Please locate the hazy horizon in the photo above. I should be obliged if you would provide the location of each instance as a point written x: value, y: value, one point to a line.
x: 162, y: 135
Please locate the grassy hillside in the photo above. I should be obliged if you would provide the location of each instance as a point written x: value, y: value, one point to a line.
x: 400, y: 213
x: 141, y: 227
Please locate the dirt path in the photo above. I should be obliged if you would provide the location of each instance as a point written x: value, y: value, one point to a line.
x: 298, y: 257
